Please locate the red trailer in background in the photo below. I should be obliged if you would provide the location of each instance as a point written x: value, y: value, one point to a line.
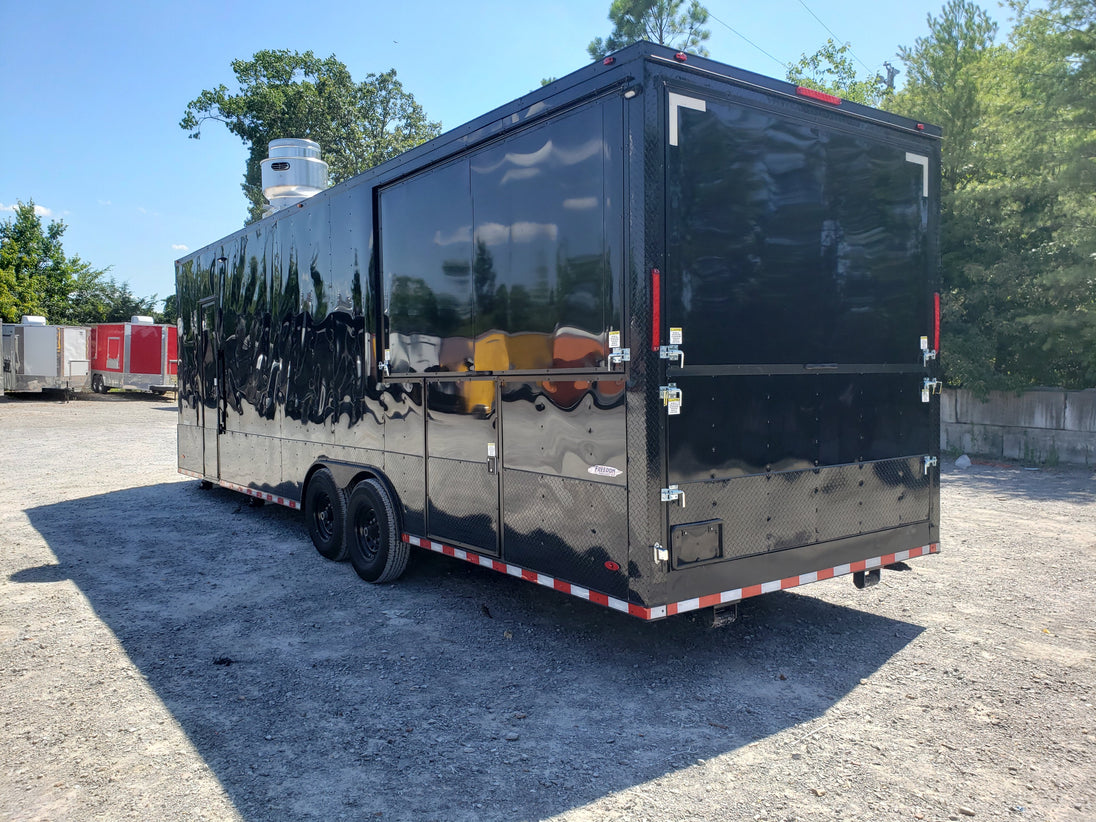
x: 140, y: 355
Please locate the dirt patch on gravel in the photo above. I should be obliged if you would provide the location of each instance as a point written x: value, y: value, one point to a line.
x: 170, y: 653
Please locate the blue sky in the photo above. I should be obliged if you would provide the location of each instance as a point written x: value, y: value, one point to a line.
x: 91, y: 94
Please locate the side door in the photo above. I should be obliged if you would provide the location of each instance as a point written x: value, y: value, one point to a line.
x: 211, y: 378
x: 462, y: 465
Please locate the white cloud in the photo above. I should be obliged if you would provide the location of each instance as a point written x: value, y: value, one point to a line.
x: 179, y: 247
x: 105, y: 202
x: 41, y: 211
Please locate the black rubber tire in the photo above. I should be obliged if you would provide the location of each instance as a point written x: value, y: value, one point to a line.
x: 372, y: 534
x: 96, y: 383
x: 325, y: 514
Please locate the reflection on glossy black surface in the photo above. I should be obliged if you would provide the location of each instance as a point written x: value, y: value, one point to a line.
x: 791, y: 242
x: 736, y: 426
x: 565, y: 428
x: 508, y: 259
x: 462, y: 462
x: 291, y: 334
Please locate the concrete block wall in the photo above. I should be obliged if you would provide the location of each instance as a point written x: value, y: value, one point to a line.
x: 1043, y: 426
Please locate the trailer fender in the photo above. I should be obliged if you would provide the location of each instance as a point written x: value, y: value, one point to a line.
x: 349, y: 474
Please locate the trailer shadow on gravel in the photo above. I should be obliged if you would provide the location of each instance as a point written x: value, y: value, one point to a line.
x: 455, y: 693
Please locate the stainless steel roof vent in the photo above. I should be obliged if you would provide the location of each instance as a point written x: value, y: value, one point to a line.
x: 292, y: 173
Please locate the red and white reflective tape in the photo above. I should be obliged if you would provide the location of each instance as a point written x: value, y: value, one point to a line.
x: 660, y: 611
x: 532, y: 576
x: 251, y: 492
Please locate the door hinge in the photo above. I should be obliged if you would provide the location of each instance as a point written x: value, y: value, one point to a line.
x: 618, y: 356
x: 672, y: 352
x: 671, y: 398
x: 673, y: 494
x: 928, y: 463
x: 930, y: 387
x: 661, y: 554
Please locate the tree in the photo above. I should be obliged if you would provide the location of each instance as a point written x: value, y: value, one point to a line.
x: 831, y: 69
x: 942, y: 82
x: 1019, y: 220
x: 37, y: 277
x: 171, y: 310
x: 287, y: 94
x: 667, y: 22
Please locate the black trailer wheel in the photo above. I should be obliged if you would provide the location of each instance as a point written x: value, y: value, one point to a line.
x: 325, y: 513
x: 96, y: 383
x: 372, y: 534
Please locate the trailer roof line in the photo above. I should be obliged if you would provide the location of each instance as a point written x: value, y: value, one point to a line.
x: 916, y: 128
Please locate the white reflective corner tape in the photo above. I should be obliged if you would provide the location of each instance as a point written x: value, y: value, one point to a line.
x: 688, y: 605
x: 769, y: 587
x: 681, y: 101
x: 922, y: 161
x: 805, y: 579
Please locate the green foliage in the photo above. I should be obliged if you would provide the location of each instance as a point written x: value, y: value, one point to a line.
x: 36, y: 277
x: 943, y: 73
x: 170, y: 314
x: 287, y: 94
x: 1019, y: 217
x: 831, y: 70
x: 667, y: 22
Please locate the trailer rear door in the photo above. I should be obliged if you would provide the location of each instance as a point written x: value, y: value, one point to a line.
x: 796, y: 287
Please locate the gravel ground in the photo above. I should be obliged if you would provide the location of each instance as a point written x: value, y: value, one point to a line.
x: 170, y: 653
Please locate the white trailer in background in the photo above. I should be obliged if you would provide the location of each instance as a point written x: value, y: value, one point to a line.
x: 39, y: 357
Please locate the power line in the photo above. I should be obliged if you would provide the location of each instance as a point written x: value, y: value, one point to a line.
x: 781, y: 63
x: 834, y: 36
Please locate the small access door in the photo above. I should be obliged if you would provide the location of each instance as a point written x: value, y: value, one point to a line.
x: 462, y: 465
x: 210, y: 378
x: 796, y: 286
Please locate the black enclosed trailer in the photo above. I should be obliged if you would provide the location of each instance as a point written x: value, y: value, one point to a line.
x: 661, y: 334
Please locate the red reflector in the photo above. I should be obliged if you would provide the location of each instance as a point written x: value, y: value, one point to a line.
x: 815, y: 94
x: 920, y: 126
x: 681, y: 57
x: 612, y: 566
x: 608, y: 61
x: 936, y: 322
x: 656, y: 308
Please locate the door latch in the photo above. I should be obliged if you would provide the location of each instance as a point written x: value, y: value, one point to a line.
x: 930, y: 387
x: 929, y: 463
x: 673, y: 494
x: 672, y: 352
x: 671, y: 398
x: 385, y: 366
x: 618, y: 356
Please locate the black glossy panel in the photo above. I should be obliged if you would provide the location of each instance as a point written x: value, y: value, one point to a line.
x: 793, y: 242
x: 510, y: 258
x: 463, y: 484
x: 542, y: 262
x: 738, y: 425
x: 567, y: 528
x: 567, y: 428
x: 404, y: 418
x: 773, y: 512
x: 426, y: 234
x: 461, y: 418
